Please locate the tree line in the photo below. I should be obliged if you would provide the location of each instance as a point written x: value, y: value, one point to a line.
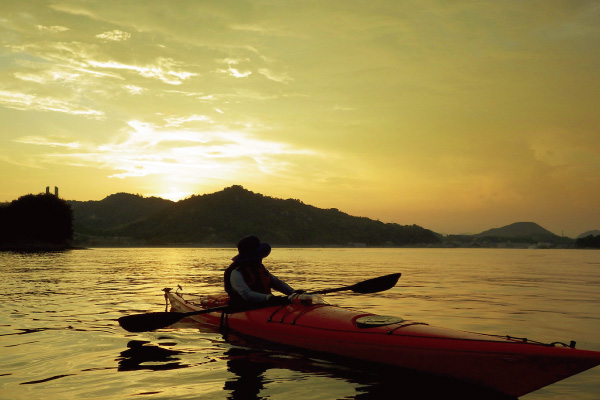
x: 588, y: 242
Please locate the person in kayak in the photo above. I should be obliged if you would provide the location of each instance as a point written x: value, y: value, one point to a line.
x: 247, y: 280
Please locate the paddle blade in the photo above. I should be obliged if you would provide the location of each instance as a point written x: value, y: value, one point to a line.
x: 376, y: 284
x: 149, y: 321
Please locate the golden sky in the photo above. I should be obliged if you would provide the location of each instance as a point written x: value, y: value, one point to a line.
x: 458, y: 116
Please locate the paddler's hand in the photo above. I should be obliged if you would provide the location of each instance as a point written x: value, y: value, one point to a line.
x: 277, y: 299
x: 292, y: 297
x: 305, y: 299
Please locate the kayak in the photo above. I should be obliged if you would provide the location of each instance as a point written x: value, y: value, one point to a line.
x: 507, y: 365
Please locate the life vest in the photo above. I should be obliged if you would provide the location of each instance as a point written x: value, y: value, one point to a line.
x: 256, y: 277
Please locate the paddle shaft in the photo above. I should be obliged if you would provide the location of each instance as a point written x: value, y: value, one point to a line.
x: 157, y: 320
x: 151, y: 321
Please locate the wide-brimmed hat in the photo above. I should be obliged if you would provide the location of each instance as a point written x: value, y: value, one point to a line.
x: 251, y: 249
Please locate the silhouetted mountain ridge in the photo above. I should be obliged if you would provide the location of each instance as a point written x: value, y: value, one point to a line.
x: 227, y: 215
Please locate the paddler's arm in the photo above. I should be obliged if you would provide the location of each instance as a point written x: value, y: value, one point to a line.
x: 280, y: 285
x: 239, y: 285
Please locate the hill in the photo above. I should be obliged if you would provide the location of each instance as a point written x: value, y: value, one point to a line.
x: 224, y: 217
x: 96, y: 217
x: 589, y: 233
x: 524, y: 233
x: 517, y: 235
x: 517, y: 230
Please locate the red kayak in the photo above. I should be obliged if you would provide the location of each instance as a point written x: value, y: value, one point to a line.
x: 510, y: 366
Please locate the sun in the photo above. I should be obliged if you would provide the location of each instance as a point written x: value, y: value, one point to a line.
x: 174, y: 195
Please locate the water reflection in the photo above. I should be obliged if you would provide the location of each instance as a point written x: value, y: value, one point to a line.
x: 381, y: 382
x: 249, y: 372
x: 143, y: 355
x: 255, y: 365
x: 249, y: 365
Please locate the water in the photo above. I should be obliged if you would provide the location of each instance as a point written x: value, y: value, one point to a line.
x: 59, y: 337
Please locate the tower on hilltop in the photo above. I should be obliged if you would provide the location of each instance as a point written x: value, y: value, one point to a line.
x: 55, y: 190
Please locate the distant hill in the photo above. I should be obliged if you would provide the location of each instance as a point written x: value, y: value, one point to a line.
x: 226, y: 216
x: 589, y: 233
x: 523, y: 232
x: 517, y: 235
x: 517, y: 230
x: 96, y: 217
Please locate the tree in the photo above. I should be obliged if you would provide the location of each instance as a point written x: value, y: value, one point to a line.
x: 36, y: 219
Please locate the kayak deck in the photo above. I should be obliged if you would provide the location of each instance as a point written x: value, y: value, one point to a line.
x: 507, y: 365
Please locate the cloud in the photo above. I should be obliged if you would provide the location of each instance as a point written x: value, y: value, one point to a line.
x: 114, y: 36
x: 233, y: 71
x: 277, y: 77
x: 72, y: 9
x: 44, y: 77
x: 45, y: 141
x: 89, y: 58
x: 179, y: 154
x: 178, y: 121
x: 165, y: 69
x: 134, y: 89
x: 23, y: 101
x: 51, y: 29
x: 237, y: 74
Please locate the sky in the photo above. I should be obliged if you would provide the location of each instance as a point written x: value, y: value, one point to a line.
x: 458, y: 116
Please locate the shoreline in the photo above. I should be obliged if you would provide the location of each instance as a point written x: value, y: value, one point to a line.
x: 38, y: 248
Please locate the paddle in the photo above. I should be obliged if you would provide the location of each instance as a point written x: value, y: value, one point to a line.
x: 156, y: 320
x: 373, y: 285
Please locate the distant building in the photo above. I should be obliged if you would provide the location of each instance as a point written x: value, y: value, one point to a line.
x: 55, y: 190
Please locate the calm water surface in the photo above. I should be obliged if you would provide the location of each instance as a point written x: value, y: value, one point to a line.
x: 59, y: 337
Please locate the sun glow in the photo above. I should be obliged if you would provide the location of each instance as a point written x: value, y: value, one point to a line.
x: 173, y: 195
x: 173, y: 160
